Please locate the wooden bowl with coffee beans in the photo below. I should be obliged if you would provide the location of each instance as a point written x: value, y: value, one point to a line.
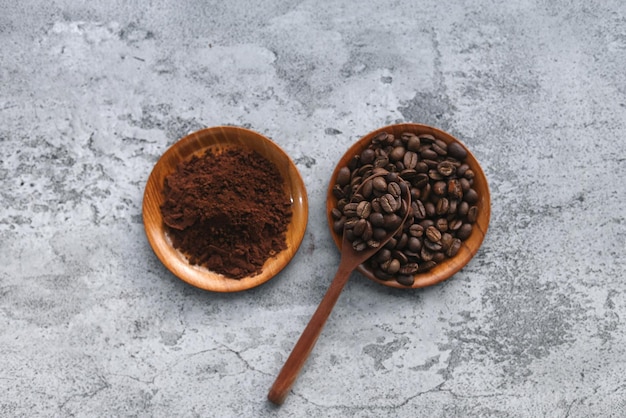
x: 225, y: 209
x: 449, y: 211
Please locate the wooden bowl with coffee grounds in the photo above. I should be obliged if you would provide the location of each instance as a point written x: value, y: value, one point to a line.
x: 225, y: 209
x: 450, y: 221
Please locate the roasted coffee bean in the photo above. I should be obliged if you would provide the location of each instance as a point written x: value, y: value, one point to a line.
x: 428, y: 154
x: 359, y: 227
x: 472, y: 214
x: 469, y: 174
x: 409, y: 268
x: 454, y: 224
x: 424, y: 267
x: 441, y: 224
x: 393, y: 266
x: 465, y: 184
x: 433, y: 234
x: 368, y: 232
x: 425, y: 223
x: 336, y: 213
x: 379, y: 233
x: 439, y: 188
x: 394, y: 189
x: 354, y: 162
x: 432, y: 246
x: 357, y: 198
x: 438, y: 256
x: 376, y: 205
x: 455, y: 189
x: 461, y: 170
x: 419, y: 211
x: 452, y: 207
x: 463, y: 209
x: 359, y: 245
x: 351, y: 222
x: 338, y: 191
x: 427, y: 138
x: 432, y: 164
x: 405, y: 279
x: 412, y: 142
x: 343, y: 176
x: 391, y: 244
x: 397, y: 154
x: 410, y: 159
x: 392, y: 221
x: 364, y: 209
x: 367, y: 189
x: 379, y: 184
x: 402, y: 241
x: 350, y: 209
x: 339, y: 224
x: 393, y: 177
x: 381, y: 161
x: 373, y: 243
x: 411, y: 255
x: 408, y: 174
x: 464, y: 231
x: 425, y: 192
x: 416, y: 230
x: 446, y: 241
x: 440, y: 147
x: 364, y: 171
x: 433, y: 174
x: 367, y: 156
x: 456, y: 151
x: 420, y: 180
x: 377, y: 219
x: 356, y: 181
x: 470, y: 196
x: 404, y: 207
x: 388, y: 203
x: 454, y: 247
x: 446, y: 168
x: 442, y: 207
x: 383, y: 255
x: 430, y: 209
x: 380, y: 137
x: 400, y: 256
x: 426, y: 254
x: 382, y: 275
x: 421, y: 167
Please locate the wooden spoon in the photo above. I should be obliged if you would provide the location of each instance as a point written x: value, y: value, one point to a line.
x: 350, y: 260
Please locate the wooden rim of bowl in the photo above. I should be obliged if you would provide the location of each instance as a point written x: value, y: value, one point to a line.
x: 469, y: 247
x: 219, y: 138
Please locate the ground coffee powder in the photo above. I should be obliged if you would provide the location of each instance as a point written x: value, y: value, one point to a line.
x: 227, y: 211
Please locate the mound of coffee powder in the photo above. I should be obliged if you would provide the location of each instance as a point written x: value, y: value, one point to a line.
x: 227, y: 211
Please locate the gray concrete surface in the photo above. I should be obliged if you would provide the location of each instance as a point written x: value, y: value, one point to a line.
x: 92, y: 93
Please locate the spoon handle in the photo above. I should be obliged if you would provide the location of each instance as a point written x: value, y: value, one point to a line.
x: 303, y: 347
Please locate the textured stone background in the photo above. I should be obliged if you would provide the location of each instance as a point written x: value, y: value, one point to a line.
x: 91, y: 324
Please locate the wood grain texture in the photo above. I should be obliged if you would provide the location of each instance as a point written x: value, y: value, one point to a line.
x: 470, y: 246
x: 216, y: 139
